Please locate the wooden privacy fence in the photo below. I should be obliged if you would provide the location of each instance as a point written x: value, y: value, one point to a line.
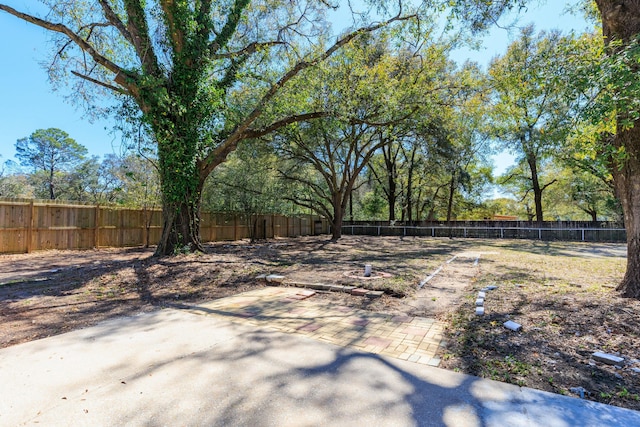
x: 27, y: 225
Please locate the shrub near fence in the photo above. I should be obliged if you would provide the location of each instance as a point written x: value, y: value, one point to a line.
x: 28, y: 225
x: 565, y: 231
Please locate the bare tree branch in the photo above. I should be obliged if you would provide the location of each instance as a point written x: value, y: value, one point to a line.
x: 113, y: 18
x: 100, y: 83
x: 544, y: 187
x: 250, y: 49
x: 139, y: 32
x: 239, y: 132
x: 123, y: 77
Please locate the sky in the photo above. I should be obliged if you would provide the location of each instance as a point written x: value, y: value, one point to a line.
x: 28, y: 103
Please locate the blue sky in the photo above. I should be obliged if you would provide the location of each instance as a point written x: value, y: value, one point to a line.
x: 27, y: 101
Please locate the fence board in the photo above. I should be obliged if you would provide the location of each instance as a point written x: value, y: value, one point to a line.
x: 29, y: 225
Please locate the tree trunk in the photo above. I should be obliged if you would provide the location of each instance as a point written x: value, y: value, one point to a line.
x: 181, y: 190
x: 393, y: 189
x: 452, y: 190
x: 621, y: 21
x: 392, y: 174
x: 537, y: 190
x: 180, y: 229
x: 351, y: 206
x: 627, y: 181
x: 52, y: 194
x: 336, y: 222
x: 431, y: 216
x: 410, y: 185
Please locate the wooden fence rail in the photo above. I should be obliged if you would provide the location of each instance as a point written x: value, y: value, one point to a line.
x: 27, y: 225
x: 612, y: 235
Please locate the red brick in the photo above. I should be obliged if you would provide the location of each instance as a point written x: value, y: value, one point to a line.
x: 306, y: 294
x: 415, y: 331
x: 360, y: 322
x: 359, y: 292
x: 401, y: 319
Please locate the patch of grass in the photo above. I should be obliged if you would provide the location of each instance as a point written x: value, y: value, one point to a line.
x: 624, y: 393
x: 509, y: 370
x: 400, y: 286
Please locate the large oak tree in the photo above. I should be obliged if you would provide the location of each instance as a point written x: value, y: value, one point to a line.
x: 177, y: 65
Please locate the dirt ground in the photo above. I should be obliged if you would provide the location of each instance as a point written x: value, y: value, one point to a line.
x: 562, y: 294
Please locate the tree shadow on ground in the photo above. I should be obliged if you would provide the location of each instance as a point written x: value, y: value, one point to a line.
x: 224, y: 373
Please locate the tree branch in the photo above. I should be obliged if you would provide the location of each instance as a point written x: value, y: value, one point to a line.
x: 229, y: 28
x: 139, y: 33
x: 321, y: 209
x: 100, y: 83
x: 113, y: 18
x: 250, y: 49
x: 256, y: 133
x: 174, y: 32
x: 548, y: 184
x: 239, y: 131
x: 124, y: 78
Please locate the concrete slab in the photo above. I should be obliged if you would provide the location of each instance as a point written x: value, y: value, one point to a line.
x: 173, y: 367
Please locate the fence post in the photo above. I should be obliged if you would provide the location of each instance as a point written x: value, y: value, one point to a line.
x: 582, y: 234
x: 235, y: 227
x: 501, y: 233
x: 273, y: 225
x: 539, y: 233
x: 144, y: 226
x: 378, y: 230
x: 96, y: 227
x: 30, y: 227
x: 120, y: 229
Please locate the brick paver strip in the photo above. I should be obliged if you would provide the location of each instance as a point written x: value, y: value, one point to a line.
x: 290, y: 310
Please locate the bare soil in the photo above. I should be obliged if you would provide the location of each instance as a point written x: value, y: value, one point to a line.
x: 562, y: 293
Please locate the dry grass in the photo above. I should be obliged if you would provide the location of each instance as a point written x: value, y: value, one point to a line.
x: 563, y: 295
